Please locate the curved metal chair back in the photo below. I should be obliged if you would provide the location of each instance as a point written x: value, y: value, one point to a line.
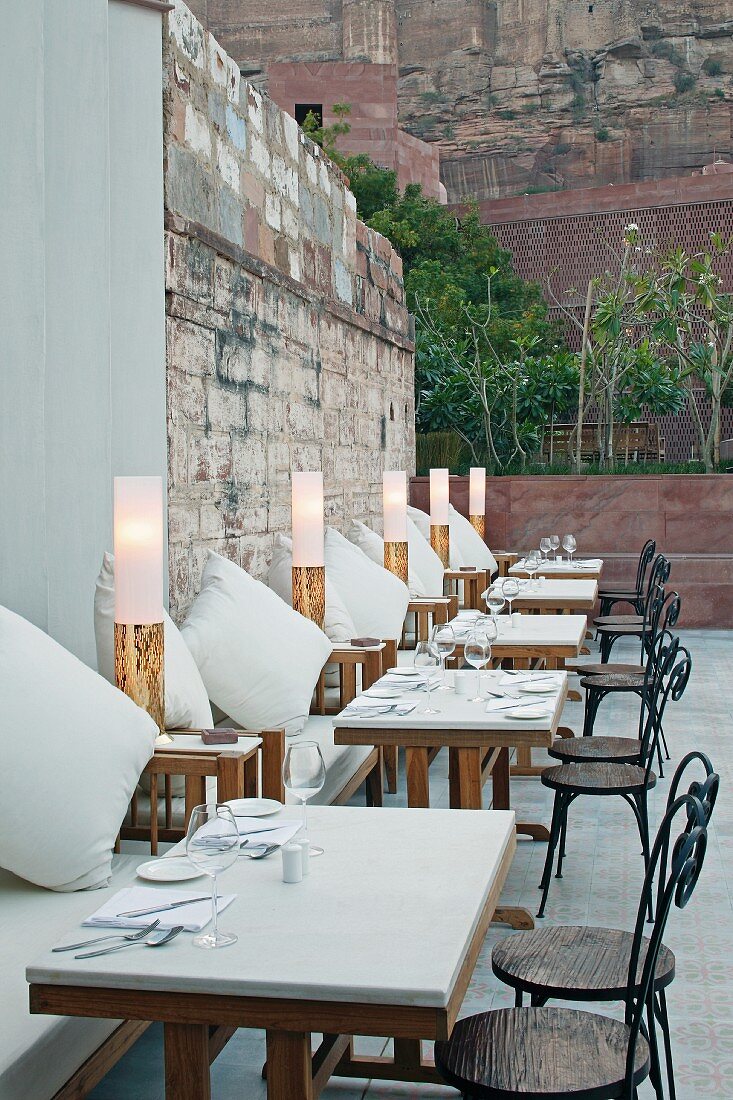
x: 671, y: 667
x: 705, y: 790
x: 672, y: 875
x: 645, y: 559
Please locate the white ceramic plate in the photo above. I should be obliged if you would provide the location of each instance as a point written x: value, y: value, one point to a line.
x: 168, y: 869
x: 403, y: 671
x: 530, y: 713
x: 254, y: 807
x: 539, y: 688
x: 384, y: 693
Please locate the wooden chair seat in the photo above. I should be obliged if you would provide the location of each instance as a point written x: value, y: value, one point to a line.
x: 548, y: 1053
x: 616, y: 750
x: 618, y: 620
x: 598, y: 778
x: 607, y: 670
x: 572, y: 963
x: 615, y: 681
x: 631, y: 630
x: 617, y: 593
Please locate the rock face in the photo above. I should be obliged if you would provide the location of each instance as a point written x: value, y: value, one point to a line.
x: 523, y: 95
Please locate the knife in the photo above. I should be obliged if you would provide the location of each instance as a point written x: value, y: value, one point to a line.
x: 165, y: 908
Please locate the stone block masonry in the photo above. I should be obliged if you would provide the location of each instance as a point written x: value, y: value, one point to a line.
x: 289, y: 346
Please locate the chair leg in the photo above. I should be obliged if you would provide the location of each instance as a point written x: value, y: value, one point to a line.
x: 593, y: 699
x: 664, y: 1024
x: 557, y: 812
x: 655, y: 1069
x: 638, y: 804
x: 563, y: 836
x: 518, y: 998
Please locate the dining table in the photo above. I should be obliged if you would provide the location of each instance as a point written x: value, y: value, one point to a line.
x: 562, y: 568
x: 379, y: 939
x: 554, y: 595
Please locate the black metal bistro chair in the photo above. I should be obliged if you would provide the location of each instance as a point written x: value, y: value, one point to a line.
x: 591, y: 964
x: 633, y: 626
x: 551, y: 1053
x: 632, y: 782
x: 635, y: 596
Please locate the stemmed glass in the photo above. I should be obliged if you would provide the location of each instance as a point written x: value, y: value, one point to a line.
x: 304, y: 774
x: 532, y: 564
x: 545, y: 546
x: 495, y: 602
x: 443, y: 641
x: 569, y: 544
x: 425, y: 661
x: 477, y: 653
x: 212, y: 845
x: 555, y: 545
x: 510, y: 590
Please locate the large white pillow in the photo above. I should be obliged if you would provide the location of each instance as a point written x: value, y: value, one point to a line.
x: 338, y: 625
x: 372, y: 545
x: 259, y: 659
x: 376, y: 599
x: 422, y: 522
x: 472, y: 547
x: 426, y: 561
x: 67, y: 776
x: 186, y: 702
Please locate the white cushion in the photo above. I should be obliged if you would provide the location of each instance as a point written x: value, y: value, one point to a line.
x: 376, y: 599
x: 39, y: 1053
x: 259, y: 659
x: 341, y: 761
x: 472, y: 547
x: 422, y: 522
x: 186, y: 702
x: 338, y: 625
x: 428, y: 564
x: 372, y: 545
x: 65, y: 782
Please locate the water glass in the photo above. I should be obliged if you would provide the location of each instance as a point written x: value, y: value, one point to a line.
x: 477, y: 653
x: 495, y: 602
x: 532, y: 564
x: 510, y: 590
x: 212, y: 845
x: 304, y: 774
x: 569, y: 544
x: 443, y: 641
x: 555, y: 544
x: 426, y: 661
x: 545, y: 546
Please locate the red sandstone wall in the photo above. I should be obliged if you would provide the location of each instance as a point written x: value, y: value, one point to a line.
x: 691, y: 517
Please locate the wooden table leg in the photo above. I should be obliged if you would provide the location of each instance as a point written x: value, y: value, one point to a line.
x: 514, y: 916
x: 187, y: 1062
x: 466, y: 787
x: 391, y: 761
x: 289, y: 1066
x: 416, y: 771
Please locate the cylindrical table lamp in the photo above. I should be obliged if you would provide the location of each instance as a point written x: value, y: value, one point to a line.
x: 309, y: 571
x: 477, y: 499
x: 439, y: 527
x: 394, y: 502
x: 138, y: 545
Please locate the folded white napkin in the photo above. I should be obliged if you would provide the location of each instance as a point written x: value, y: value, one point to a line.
x: 249, y: 825
x: 276, y: 834
x: 539, y: 677
x: 590, y: 563
x: 193, y: 917
x: 499, y: 705
x: 364, y: 707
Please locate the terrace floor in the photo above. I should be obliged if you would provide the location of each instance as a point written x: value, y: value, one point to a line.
x: 601, y: 884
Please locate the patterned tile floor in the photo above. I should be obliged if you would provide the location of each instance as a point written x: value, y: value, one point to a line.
x: 600, y: 886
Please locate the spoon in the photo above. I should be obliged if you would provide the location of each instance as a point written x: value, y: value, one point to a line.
x: 156, y: 939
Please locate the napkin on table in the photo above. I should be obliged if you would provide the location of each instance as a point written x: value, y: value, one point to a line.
x: 193, y: 917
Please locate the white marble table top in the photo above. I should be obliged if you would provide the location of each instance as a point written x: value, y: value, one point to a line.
x: 458, y: 712
x: 385, y: 916
x: 191, y: 742
x: 533, y: 630
x: 558, y: 589
x: 562, y: 566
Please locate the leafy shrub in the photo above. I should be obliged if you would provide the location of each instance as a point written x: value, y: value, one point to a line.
x: 719, y: 93
x: 711, y: 67
x: 508, y: 114
x: 683, y: 82
x: 667, y: 51
x: 562, y: 148
x: 603, y: 133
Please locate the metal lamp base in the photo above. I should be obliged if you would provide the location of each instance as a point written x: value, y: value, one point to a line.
x: 309, y: 592
x: 440, y: 542
x: 395, y: 559
x: 139, y: 670
x: 479, y: 524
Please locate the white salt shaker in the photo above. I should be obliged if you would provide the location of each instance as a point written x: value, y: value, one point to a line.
x: 305, y: 856
x: 516, y: 620
x: 292, y: 863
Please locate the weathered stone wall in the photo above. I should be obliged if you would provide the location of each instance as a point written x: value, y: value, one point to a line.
x: 289, y: 345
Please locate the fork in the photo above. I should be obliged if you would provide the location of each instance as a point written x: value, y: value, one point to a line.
x: 162, y: 937
x: 131, y: 936
x: 267, y: 850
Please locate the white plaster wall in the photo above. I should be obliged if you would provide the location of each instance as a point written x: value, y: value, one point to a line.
x: 82, y: 355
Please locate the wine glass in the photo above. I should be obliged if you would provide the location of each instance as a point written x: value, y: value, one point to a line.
x: 532, y: 564
x: 212, y: 845
x: 443, y: 641
x: 477, y: 653
x: 569, y: 544
x: 510, y: 590
x: 555, y: 544
x: 495, y: 602
x: 425, y: 661
x: 545, y: 546
x: 304, y: 774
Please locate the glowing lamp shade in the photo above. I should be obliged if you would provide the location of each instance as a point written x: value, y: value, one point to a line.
x: 307, y: 505
x: 138, y: 544
x: 477, y: 491
x: 394, y: 498
x: 439, y: 497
